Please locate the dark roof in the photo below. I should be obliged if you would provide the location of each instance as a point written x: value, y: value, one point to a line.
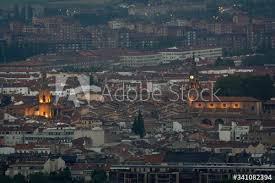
x: 187, y: 157
x: 240, y: 158
x: 269, y: 102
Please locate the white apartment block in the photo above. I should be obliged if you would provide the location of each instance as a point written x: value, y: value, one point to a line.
x: 15, y: 91
x: 62, y: 134
x: 177, y: 54
x: 172, y: 54
x: 139, y: 60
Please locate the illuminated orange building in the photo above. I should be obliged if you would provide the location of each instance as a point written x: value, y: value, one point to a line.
x: 44, y: 97
x: 247, y: 105
x: 44, y: 106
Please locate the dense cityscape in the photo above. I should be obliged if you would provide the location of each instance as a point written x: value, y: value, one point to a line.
x: 137, y: 91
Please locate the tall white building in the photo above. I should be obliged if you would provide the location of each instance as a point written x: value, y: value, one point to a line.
x: 233, y: 132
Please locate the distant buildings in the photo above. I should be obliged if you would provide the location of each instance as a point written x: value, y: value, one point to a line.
x: 139, y: 59
x: 188, y: 138
x: 28, y: 168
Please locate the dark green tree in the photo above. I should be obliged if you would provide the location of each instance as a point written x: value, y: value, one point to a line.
x: 54, y: 177
x: 16, y: 11
x: 141, y: 125
x: 138, y: 125
x: 19, y: 179
x: 135, y: 126
x: 23, y: 14
x: 30, y: 13
x: 99, y: 176
x: 260, y: 87
x: 65, y: 176
x: 92, y: 80
x: 224, y: 63
x: 5, y: 179
x: 265, y: 57
x: 6, y: 100
x: 230, y: 86
x: 38, y: 177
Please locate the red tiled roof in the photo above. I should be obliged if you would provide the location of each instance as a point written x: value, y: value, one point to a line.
x: 228, y: 99
x: 154, y: 158
x: 24, y: 146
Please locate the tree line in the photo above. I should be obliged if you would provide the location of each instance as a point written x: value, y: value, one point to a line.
x: 260, y: 87
x: 98, y: 176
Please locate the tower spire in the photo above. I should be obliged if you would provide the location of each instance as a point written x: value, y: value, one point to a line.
x: 193, y: 74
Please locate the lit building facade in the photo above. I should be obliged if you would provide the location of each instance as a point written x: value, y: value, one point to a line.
x: 246, y: 105
x: 44, y: 106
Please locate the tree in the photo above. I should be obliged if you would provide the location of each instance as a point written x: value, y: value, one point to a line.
x: 260, y: 87
x: 38, y: 177
x: 30, y: 13
x: 92, y: 80
x: 23, y: 14
x: 141, y: 125
x: 5, y: 179
x: 16, y: 11
x: 99, y: 176
x: 65, y: 176
x: 138, y: 125
x: 230, y: 86
x: 54, y: 177
x: 6, y: 100
x: 224, y: 63
x: 19, y: 179
x: 135, y: 126
x: 266, y: 57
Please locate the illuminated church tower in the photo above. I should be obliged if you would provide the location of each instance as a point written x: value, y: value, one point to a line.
x: 193, y: 75
x: 194, y: 86
x: 44, y: 106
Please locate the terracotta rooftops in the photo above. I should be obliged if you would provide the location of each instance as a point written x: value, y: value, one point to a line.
x: 228, y: 99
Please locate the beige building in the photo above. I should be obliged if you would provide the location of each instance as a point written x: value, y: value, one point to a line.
x: 235, y: 148
x: 95, y: 134
x: 53, y: 165
x: 89, y: 122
